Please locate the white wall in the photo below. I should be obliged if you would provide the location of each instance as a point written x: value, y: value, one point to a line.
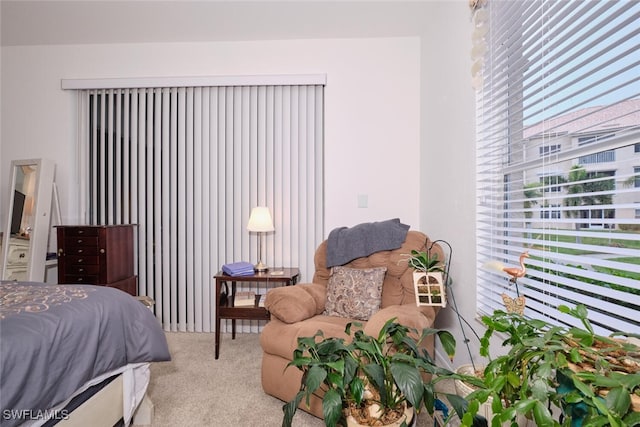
x: 369, y: 81
x: 399, y: 112
x: 447, y: 177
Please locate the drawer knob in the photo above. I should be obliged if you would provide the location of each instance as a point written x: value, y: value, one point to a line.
x: 80, y: 231
x: 80, y: 260
x: 102, y: 251
x: 81, y: 270
x: 79, y: 251
x: 79, y: 240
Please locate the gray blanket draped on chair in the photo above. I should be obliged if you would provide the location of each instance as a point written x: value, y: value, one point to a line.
x: 346, y: 244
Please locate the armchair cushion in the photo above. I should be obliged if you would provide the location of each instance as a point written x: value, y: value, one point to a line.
x: 354, y: 292
x: 292, y: 304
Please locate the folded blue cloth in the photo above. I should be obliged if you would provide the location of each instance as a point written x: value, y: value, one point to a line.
x: 346, y: 244
x: 240, y: 268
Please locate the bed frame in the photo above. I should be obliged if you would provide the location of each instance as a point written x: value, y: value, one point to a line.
x: 105, y: 409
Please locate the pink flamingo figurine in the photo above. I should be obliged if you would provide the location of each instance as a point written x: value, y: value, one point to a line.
x: 517, y: 272
x: 514, y: 272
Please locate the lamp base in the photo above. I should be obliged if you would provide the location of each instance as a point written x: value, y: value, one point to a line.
x: 260, y: 267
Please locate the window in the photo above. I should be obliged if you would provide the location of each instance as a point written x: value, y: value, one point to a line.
x: 549, y: 149
x: 582, y: 140
x: 551, y: 211
x: 551, y: 182
x: 602, y: 157
x: 561, y: 74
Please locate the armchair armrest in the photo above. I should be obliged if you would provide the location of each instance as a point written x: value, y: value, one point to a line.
x: 292, y: 304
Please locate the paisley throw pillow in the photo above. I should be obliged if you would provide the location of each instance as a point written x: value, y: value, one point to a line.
x: 354, y: 292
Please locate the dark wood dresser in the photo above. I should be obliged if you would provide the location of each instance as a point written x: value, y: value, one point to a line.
x: 97, y: 255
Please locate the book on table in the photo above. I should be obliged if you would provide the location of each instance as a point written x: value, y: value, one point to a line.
x: 244, y: 299
x: 261, y: 301
x: 240, y: 268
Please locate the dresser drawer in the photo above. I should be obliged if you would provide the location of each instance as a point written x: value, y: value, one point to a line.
x: 82, y: 269
x: 80, y: 231
x: 81, y: 260
x: 81, y: 241
x: 81, y: 250
x: 18, y: 255
x: 79, y: 278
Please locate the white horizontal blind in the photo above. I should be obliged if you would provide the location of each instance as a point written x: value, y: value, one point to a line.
x: 187, y: 165
x: 558, y: 158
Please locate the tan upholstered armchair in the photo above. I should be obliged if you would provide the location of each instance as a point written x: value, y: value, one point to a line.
x: 297, y: 311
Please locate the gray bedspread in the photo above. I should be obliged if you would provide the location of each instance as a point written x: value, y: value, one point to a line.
x: 346, y: 244
x: 54, y: 338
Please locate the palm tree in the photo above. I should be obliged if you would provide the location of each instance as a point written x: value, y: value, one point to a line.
x: 584, y: 190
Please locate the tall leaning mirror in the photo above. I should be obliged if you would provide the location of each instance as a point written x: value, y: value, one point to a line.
x: 25, y: 240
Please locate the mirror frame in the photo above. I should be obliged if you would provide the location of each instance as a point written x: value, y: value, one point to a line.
x: 40, y: 229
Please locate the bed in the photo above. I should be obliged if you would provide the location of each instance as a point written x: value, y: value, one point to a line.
x: 68, y: 346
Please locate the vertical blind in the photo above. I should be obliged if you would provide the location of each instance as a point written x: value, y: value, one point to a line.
x: 187, y: 165
x: 558, y: 159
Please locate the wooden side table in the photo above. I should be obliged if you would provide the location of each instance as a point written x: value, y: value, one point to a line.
x: 225, y: 308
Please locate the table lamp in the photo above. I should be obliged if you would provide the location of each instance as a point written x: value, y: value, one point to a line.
x: 260, y: 222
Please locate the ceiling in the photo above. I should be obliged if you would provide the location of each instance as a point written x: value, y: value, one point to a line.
x: 49, y: 22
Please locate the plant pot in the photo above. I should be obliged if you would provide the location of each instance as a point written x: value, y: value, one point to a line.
x: 408, y: 417
x: 429, y: 288
x: 463, y: 389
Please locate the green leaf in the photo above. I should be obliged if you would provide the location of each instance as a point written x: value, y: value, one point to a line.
x: 458, y: 403
x: 581, y: 311
x: 542, y: 415
x: 539, y: 390
x: 448, y: 343
x: 290, y: 409
x: 429, y: 397
x: 331, y: 407
x: 513, y: 378
x: 584, y: 388
x: 618, y: 400
x: 375, y: 373
x: 632, y: 419
x: 508, y: 413
x: 524, y: 406
x: 496, y: 406
x: 630, y: 381
x: 314, y: 377
x: 409, y: 381
x: 357, y: 389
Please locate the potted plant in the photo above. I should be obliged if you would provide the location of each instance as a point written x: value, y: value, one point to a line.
x: 369, y: 377
x: 428, y: 280
x: 558, y: 376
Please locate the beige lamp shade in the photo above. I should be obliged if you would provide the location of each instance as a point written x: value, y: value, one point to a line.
x: 260, y: 220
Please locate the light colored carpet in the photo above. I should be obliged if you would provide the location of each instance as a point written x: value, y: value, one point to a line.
x: 194, y: 389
